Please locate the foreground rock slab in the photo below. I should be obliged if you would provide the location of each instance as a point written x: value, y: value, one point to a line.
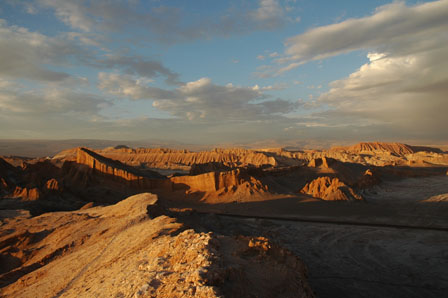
x: 120, y: 251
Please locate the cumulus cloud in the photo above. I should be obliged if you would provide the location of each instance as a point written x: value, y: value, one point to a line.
x: 402, y: 89
x: 395, y: 29
x: 201, y: 99
x: 406, y: 93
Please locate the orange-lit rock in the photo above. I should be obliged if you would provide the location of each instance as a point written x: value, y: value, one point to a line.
x: 28, y: 194
x: 117, y: 170
x: 215, y: 185
x: 52, y: 184
x: 330, y: 189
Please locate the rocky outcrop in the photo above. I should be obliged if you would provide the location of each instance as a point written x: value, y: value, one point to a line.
x: 180, y: 159
x: 27, y: 194
x: 397, y: 149
x: 119, y: 251
x: 367, y: 153
x: 215, y: 186
x: 210, y: 187
x: 116, y: 170
x: 163, y: 158
x: 330, y: 189
x: 323, y: 162
x: 112, y: 167
x: 53, y: 185
x: 378, y: 147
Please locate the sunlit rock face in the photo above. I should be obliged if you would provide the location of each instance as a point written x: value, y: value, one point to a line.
x: 330, y: 189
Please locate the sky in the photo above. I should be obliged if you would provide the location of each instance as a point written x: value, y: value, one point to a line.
x: 213, y: 72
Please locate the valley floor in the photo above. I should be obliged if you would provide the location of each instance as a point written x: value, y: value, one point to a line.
x: 350, y: 260
x: 360, y: 261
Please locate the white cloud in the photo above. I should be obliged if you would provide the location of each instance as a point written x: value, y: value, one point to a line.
x: 394, y: 28
x: 405, y: 93
x: 402, y: 90
x: 201, y: 99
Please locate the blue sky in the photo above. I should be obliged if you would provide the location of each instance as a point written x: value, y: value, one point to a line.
x: 211, y: 72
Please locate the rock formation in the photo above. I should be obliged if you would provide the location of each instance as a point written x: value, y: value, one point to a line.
x: 8, y: 175
x: 119, y: 251
x: 180, y: 159
x: 330, y: 189
x: 112, y: 167
x: 117, y: 171
x: 28, y: 194
x: 53, y: 185
x: 81, y: 175
x: 397, y: 149
x: 367, y: 153
x: 212, y: 186
x: 222, y: 186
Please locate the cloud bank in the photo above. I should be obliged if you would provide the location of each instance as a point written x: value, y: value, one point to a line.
x: 201, y: 99
x: 403, y: 86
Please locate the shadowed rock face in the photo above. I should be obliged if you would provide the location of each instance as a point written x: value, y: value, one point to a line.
x: 330, y: 189
x: 8, y: 176
x: 111, y: 167
x: 119, y: 251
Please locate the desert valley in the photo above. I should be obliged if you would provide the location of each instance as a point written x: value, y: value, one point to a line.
x: 122, y: 222
x: 237, y: 149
